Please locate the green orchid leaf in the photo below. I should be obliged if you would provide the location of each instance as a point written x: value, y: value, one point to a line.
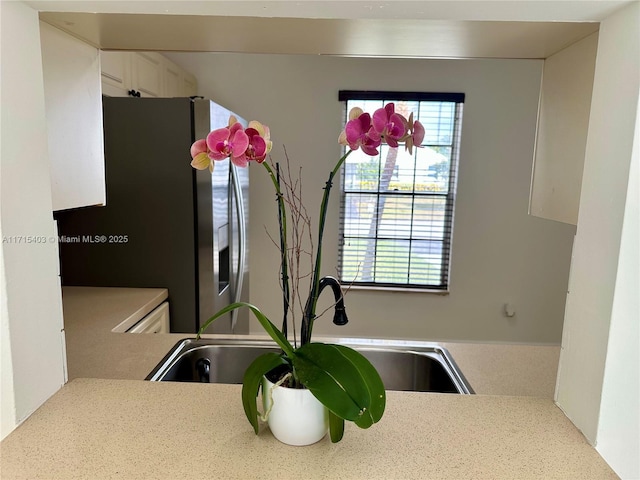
x: 372, y: 380
x: 323, y: 386
x: 269, y: 327
x: 252, y: 380
x: 342, y: 381
x: 336, y: 427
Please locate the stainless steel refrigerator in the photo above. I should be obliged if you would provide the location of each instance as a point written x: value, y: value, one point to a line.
x: 164, y: 224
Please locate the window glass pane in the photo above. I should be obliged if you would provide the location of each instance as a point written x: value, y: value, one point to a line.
x: 437, y: 119
x: 432, y: 169
x: 393, y: 174
x: 406, y: 107
x: 395, y: 214
x: 402, y: 165
x: 429, y: 218
x: 391, y: 261
x: 353, y: 257
x: 361, y: 172
x: 397, y: 207
x: 426, y: 262
x: 359, y: 210
x: 366, y: 105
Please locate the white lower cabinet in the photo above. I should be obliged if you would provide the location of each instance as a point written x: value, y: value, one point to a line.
x: 155, y: 322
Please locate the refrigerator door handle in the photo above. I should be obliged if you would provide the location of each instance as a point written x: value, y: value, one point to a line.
x: 242, y: 239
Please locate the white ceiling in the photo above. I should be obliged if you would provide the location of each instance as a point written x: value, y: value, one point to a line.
x: 451, y: 29
x: 500, y: 10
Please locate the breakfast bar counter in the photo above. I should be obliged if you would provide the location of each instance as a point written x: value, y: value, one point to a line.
x: 130, y: 429
x: 108, y: 423
x: 95, y: 351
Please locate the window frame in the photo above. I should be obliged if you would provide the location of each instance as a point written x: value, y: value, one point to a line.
x: 447, y: 242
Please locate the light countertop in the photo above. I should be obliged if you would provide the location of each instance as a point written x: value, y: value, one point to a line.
x: 108, y: 308
x: 113, y: 425
x: 94, y: 351
x: 123, y: 429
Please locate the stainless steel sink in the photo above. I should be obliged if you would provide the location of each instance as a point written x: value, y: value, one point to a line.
x: 415, y: 366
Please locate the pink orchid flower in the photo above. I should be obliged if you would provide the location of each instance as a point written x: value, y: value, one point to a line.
x: 415, y: 134
x: 226, y: 142
x: 389, y: 125
x: 354, y: 113
x: 259, y: 145
x: 263, y: 131
x: 257, y: 149
x: 259, y: 141
x: 200, y: 156
x: 358, y: 133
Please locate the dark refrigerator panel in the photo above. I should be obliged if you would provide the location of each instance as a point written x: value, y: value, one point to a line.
x: 157, y: 228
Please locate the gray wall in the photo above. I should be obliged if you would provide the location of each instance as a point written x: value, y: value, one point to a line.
x: 500, y: 253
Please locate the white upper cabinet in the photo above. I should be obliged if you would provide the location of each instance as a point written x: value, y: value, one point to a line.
x: 172, y: 79
x: 189, y: 85
x: 73, y: 102
x: 148, y: 73
x: 565, y: 102
x: 115, y: 68
x: 144, y: 74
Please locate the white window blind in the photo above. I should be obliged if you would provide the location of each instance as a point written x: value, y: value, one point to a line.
x: 396, y: 221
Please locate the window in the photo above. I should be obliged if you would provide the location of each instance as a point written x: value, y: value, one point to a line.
x: 396, y: 219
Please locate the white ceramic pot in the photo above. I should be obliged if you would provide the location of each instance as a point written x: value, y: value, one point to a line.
x: 296, y: 417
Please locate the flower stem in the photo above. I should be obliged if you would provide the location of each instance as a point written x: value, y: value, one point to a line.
x: 284, y: 264
x: 310, y: 307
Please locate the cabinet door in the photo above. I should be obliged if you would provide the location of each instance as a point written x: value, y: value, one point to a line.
x: 189, y: 85
x: 172, y: 80
x: 115, y: 69
x: 147, y: 73
x: 563, y: 124
x: 73, y: 102
x: 156, y: 322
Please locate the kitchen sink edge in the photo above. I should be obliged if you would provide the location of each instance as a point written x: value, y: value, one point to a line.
x: 403, y: 365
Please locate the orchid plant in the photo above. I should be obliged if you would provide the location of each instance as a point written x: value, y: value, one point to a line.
x: 342, y: 379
